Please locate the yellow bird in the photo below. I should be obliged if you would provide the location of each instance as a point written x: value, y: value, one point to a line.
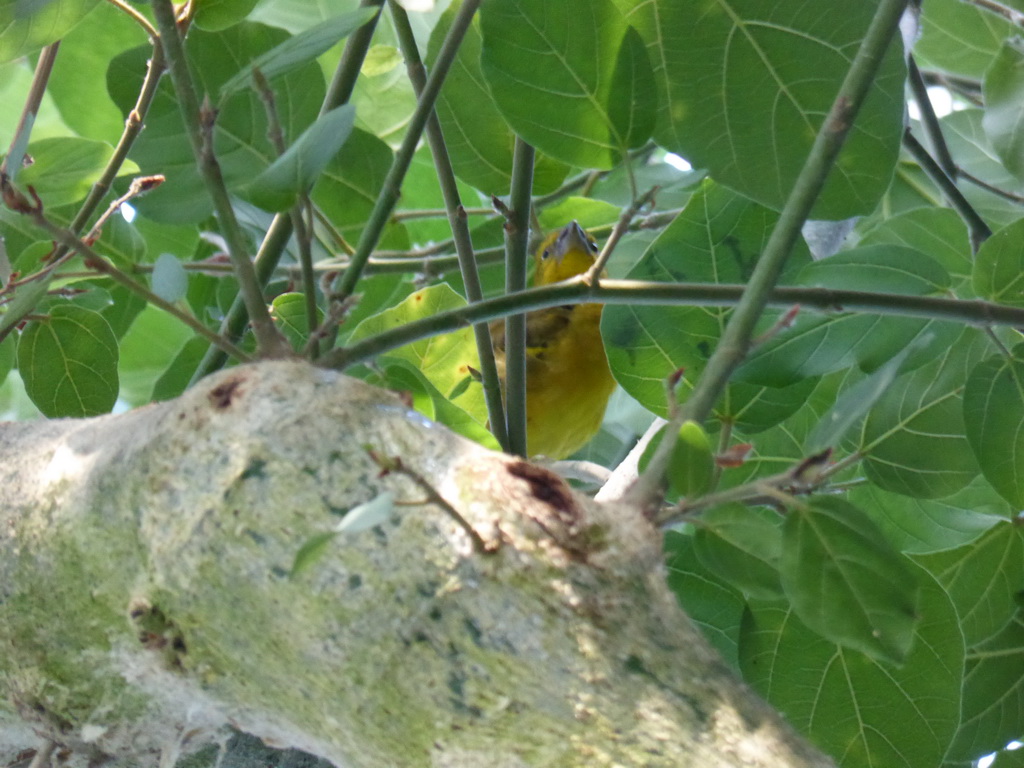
x: 568, y: 382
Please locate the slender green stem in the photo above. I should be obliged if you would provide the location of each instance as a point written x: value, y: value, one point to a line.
x: 199, y: 129
x: 517, y: 238
x: 457, y: 219
x: 620, y: 228
x: 930, y: 120
x: 280, y: 230
x: 643, y: 293
x: 97, y: 262
x: 392, y: 186
x: 979, y: 230
x: 736, y: 339
x: 36, y: 91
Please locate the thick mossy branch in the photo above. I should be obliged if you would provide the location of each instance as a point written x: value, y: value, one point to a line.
x: 180, y: 568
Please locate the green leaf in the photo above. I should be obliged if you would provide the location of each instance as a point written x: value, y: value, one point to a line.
x: 960, y: 38
x: 383, y: 95
x: 692, y: 464
x: 214, y: 15
x: 983, y: 579
x: 480, y: 142
x: 352, y: 180
x: 936, y: 232
x: 993, y: 700
x: 278, y: 187
x: 1004, y: 105
x: 745, y: 86
x: 846, y: 582
x: 65, y: 168
x: 572, y: 78
x: 443, y: 360
x: 993, y: 413
x: 68, y: 362
x: 299, y: 49
x: 968, y: 143
x: 742, y: 545
x: 855, y: 402
x: 707, y: 598
x: 311, y: 551
x: 999, y: 266
x: 170, y: 280
x: 860, y: 710
x: 817, y: 344
x: 289, y: 309
x: 715, y: 239
x: 240, y: 133
x: 154, y: 338
x: 26, y: 27
x: 914, y: 439
x: 927, y: 525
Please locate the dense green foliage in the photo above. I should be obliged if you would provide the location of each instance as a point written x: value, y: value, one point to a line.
x: 871, y: 593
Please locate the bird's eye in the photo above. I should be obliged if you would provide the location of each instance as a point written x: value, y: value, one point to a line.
x: 593, y: 246
x: 546, y: 253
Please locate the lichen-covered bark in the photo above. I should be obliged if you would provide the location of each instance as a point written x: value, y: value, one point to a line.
x: 173, y: 571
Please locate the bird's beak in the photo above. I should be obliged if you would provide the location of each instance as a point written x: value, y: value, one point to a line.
x: 571, y: 238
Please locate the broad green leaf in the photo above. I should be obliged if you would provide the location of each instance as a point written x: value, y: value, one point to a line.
x: 914, y: 439
x: 78, y: 81
x: 817, y: 344
x: 299, y: 15
x: 1004, y: 105
x: 240, y: 133
x: 572, y: 78
x: 298, y: 50
x: 854, y: 403
x: 936, y: 232
x: 27, y: 27
x: 289, y: 310
x: 351, y: 182
x: 177, y: 375
x: 745, y: 86
x: 479, y: 141
x: 68, y: 362
x: 443, y: 360
x: 278, y: 187
x: 716, y: 239
x: 384, y: 96
x: 968, y: 143
x: 928, y: 525
x: 752, y: 408
x: 8, y: 353
x: 999, y: 266
x: 983, y: 579
x: 742, y: 545
x: 993, y: 700
x: 707, y: 598
x: 960, y: 38
x: 64, y: 169
x: 170, y: 280
x: 214, y: 15
x: 154, y: 338
x: 993, y: 413
x: 862, y: 711
x: 692, y: 465
x: 846, y: 582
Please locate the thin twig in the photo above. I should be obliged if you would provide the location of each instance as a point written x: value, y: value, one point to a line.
x: 103, y: 266
x: 36, y: 91
x: 388, y: 196
x: 736, y: 338
x: 517, y: 238
x: 645, y: 293
x: 457, y: 219
x: 1003, y: 193
x: 1012, y: 15
x: 930, y: 121
x: 280, y: 230
x: 620, y: 228
x: 979, y: 230
x: 199, y: 127
x: 396, y: 465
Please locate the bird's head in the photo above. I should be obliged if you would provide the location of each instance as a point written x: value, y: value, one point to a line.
x: 566, y: 253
